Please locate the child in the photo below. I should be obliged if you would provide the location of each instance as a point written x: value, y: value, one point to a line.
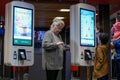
x: 101, y: 68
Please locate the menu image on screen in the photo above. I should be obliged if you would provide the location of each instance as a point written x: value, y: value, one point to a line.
x: 22, y: 23
x: 87, y: 25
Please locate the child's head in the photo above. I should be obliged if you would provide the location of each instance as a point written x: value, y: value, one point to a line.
x: 116, y: 28
x: 118, y: 17
x: 116, y: 31
x: 104, y: 37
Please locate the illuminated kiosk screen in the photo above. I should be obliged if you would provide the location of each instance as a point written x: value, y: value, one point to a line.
x: 22, y: 26
x: 87, y: 25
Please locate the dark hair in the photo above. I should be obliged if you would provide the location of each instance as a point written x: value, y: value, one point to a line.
x: 104, y: 38
x: 118, y: 17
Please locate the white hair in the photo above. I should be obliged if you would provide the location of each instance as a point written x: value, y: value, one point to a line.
x: 57, y: 22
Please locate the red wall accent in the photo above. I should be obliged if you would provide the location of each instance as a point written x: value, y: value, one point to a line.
x: 93, y: 2
x: 97, y: 2
x: 2, y: 7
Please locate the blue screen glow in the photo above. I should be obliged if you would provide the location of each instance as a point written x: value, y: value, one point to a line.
x: 87, y: 27
x: 22, y: 26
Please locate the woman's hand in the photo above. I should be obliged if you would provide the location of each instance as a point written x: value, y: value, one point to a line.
x: 67, y: 46
x: 59, y: 43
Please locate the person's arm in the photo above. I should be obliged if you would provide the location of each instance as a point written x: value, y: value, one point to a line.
x: 48, y: 42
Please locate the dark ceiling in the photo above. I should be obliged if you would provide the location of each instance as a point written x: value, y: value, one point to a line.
x: 46, y: 10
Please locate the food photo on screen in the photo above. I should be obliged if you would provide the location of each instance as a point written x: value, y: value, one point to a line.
x: 87, y: 27
x: 22, y: 26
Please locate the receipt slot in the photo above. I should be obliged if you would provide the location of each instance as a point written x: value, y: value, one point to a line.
x: 22, y: 54
x: 19, y: 35
x: 88, y: 55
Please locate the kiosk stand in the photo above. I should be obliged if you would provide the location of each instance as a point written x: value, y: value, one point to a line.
x: 82, y: 37
x: 19, y: 37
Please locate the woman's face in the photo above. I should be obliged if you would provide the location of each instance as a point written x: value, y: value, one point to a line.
x: 57, y: 29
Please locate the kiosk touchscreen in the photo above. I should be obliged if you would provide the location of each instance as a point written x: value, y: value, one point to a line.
x: 87, y: 25
x: 82, y: 34
x: 19, y: 35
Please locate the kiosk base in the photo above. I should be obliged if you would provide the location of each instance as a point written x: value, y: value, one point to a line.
x: 86, y: 72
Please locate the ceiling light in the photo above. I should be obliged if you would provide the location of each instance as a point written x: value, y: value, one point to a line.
x: 96, y: 14
x: 60, y: 17
x: 64, y: 10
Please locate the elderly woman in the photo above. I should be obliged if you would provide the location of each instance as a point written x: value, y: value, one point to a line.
x: 53, y: 46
